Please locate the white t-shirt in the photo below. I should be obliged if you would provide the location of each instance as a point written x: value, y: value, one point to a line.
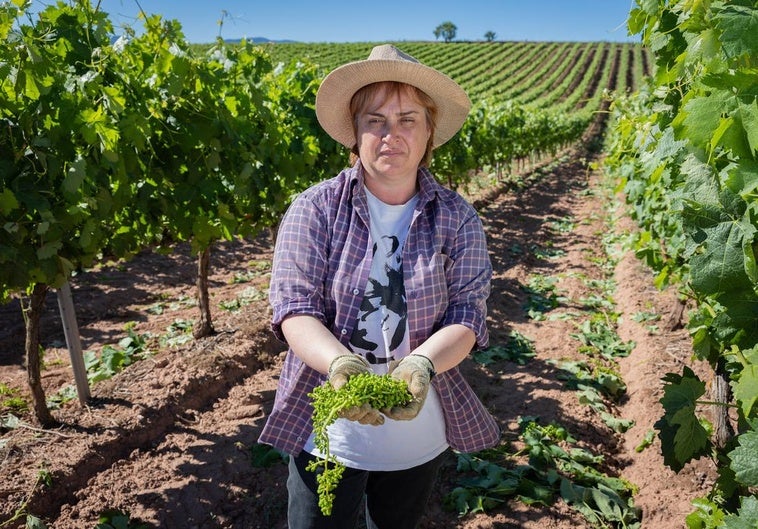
x: 381, y: 335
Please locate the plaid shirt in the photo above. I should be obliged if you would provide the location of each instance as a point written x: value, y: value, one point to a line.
x: 321, y: 266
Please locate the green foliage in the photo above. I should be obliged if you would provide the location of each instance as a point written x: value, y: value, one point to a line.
x: 649, y: 318
x: 32, y: 522
x: 113, y: 359
x: 117, y: 519
x: 685, y: 153
x: 147, y: 141
x: 646, y: 442
x: 58, y: 143
x: 710, y: 515
x: 542, y: 296
x: 509, y: 121
x: 14, y: 404
x: 581, y: 375
x: 141, y: 141
x: 10, y: 401
x: 60, y: 397
x: 540, y: 74
x: 518, y: 349
x: 44, y: 478
x: 446, y: 30
x: 498, y: 133
x: 556, y: 469
x: 246, y: 297
x: 378, y: 391
x: 746, y: 517
x: 177, y: 333
x: 108, y: 148
x: 680, y: 428
x: 264, y: 456
x: 597, y: 387
x: 689, y: 166
x: 744, y: 458
x: 745, y: 380
x: 598, y: 336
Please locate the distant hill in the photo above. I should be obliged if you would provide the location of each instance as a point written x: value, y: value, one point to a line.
x: 257, y: 40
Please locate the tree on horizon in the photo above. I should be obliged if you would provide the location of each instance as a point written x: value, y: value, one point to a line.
x: 446, y: 30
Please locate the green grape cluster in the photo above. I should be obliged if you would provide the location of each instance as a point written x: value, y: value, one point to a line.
x: 378, y: 391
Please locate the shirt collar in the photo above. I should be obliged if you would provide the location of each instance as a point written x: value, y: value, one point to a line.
x: 428, y: 185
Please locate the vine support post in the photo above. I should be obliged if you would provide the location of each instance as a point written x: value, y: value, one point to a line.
x: 73, y: 342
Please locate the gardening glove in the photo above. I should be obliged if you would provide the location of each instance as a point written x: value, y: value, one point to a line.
x: 340, y: 370
x: 417, y: 371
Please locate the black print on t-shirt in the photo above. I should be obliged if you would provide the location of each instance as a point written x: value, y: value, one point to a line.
x: 385, y: 295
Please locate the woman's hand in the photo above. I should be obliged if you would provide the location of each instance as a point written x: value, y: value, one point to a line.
x: 417, y: 371
x: 345, y: 366
x: 340, y: 370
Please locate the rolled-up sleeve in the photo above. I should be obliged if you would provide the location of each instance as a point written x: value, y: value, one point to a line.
x: 469, y: 276
x: 300, y: 263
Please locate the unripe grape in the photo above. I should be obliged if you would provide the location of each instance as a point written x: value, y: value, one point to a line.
x: 378, y: 391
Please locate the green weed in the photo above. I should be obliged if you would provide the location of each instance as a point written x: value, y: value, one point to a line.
x: 11, y: 401
x: 556, y: 468
x: 518, y: 349
x: 542, y: 296
x: 178, y: 333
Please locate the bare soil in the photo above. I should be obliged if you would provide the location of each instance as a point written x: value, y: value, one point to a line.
x: 168, y: 440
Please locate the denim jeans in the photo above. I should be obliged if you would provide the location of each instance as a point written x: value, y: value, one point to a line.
x: 393, y: 500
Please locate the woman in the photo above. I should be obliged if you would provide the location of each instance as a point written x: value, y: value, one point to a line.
x: 381, y: 269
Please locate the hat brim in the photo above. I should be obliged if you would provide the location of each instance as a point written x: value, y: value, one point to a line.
x: 337, y: 89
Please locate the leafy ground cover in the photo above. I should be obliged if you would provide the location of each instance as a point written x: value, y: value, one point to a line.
x: 579, y: 341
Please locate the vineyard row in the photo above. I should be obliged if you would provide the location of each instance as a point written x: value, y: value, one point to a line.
x: 108, y: 148
x: 685, y: 153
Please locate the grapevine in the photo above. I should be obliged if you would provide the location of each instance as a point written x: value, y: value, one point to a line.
x: 378, y: 391
x: 685, y: 150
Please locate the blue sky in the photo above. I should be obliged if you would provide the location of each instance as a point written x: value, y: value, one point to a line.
x: 389, y: 20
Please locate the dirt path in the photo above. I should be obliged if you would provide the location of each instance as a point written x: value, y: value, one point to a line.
x: 169, y: 439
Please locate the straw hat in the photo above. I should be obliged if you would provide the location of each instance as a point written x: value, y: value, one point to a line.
x: 387, y: 63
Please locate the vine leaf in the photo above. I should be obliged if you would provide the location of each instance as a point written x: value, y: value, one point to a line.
x: 747, y: 518
x: 746, y: 387
x: 749, y: 115
x: 745, y: 457
x: 683, y: 437
x: 739, y: 30
x: 701, y: 117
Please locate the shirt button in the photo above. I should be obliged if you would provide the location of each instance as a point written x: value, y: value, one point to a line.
x: 343, y: 331
x: 356, y: 291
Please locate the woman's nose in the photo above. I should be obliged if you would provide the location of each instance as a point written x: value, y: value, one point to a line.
x: 390, y: 131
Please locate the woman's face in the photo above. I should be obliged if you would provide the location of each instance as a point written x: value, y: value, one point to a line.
x: 392, y: 134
